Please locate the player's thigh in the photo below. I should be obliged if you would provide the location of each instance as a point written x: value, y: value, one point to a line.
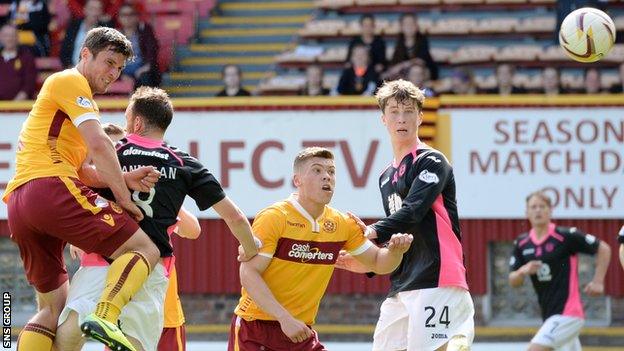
x: 172, y: 339
x: 557, y: 331
x: 42, y: 254
x: 84, y: 292
x: 147, y: 305
x: 68, y: 334
x: 437, y: 316
x: 391, y: 329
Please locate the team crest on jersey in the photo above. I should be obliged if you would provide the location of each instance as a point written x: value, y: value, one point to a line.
x: 402, y: 170
x: 428, y: 177
x: 83, y: 102
x: 116, y: 208
x: 101, y: 202
x: 329, y: 226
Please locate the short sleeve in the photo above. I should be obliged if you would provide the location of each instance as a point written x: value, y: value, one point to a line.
x: 356, y: 241
x: 516, y: 260
x: 205, y: 189
x: 581, y: 242
x: 268, y: 227
x: 73, y: 96
x: 621, y: 235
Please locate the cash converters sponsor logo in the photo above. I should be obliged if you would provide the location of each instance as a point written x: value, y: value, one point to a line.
x: 306, y: 253
x: 309, y: 252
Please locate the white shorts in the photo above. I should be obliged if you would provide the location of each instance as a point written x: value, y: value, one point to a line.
x: 425, y: 320
x: 142, y: 318
x: 560, y: 333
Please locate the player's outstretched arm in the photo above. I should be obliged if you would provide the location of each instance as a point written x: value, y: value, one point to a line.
x: 105, y: 159
x: 251, y: 279
x: 622, y: 255
x: 596, y: 286
x: 238, y: 224
x: 385, y: 260
x: 188, y: 225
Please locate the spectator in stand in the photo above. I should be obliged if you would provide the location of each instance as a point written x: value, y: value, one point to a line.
x: 552, y: 82
x: 411, y: 45
x: 360, y: 78
x: 17, y: 67
x: 618, y: 88
x: 592, y: 82
x: 314, y: 82
x: 418, y: 74
x: 32, y: 19
x: 375, y: 44
x: 232, y: 81
x: 110, y: 7
x: 144, y: 69
x: 463, y: 82
x: 504, y: 79
x: 77, y: 30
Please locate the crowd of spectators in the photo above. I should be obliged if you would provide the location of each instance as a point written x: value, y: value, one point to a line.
x: 26, y: 35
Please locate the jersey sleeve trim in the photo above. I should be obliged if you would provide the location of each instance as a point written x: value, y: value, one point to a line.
x: 85, y: 117
x: 264, y: 254
x: 360, y: 250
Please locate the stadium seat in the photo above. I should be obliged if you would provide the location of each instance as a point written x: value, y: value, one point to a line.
x: 518, y: 53
x: 178, y: 28
x: 552, y: 53
x: 48, y: 64
x: 375, y: 2
x: 121, y: 87
x: 459, y: 26
x: 537, y: 24
x: 495, y: 25
x: 419, y: 2
x: 473, y: 54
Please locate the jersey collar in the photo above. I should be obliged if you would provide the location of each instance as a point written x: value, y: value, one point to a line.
x: 551, y: 231
x: 143, y: 141
x: 292, y: 199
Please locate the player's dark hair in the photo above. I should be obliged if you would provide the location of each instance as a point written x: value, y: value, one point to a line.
x: 153, y: 105
x: 540, y: 195
x: 104, y: 38
x: 311, y: 152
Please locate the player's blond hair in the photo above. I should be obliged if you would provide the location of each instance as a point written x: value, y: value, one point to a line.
x: 540, y: 194
x: 402, y: 91
x: 311, y: 152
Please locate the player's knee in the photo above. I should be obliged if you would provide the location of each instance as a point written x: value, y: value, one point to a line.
x: 68, y: 335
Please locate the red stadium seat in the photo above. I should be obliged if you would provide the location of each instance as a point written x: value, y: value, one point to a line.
x: 179, y: 28
x: 121, y: 87
x: 48, y: 64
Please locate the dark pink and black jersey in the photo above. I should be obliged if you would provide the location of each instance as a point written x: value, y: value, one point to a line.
x: 556, y: 282
x: 180, y: 175
x: 418, y: 195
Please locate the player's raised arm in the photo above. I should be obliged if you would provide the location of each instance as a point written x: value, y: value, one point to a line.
x: 238, y: 224
x: 188, y: 224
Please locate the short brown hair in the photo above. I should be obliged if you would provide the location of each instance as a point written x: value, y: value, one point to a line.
x: 311, y: 152
x: 540, y: 194
x: 154, y: 105
x: 112, y: 129
x: 401, y: 90
x: 104, y: 38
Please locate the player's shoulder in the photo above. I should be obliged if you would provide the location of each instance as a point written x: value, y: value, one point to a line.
x: 522, y: 239
x: 562, y: 230
x: 431, y: 155
x: 67, y: 76
x: 335, y: 214
x: 277, y: 211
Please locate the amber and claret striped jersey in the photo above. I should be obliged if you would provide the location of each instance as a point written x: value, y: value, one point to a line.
x: 174, y: 315
x: 303, y: 252
x: 50, y: 143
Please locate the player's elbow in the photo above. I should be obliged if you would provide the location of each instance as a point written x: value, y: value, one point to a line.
x: 515, y: 281
x: 246, y: 273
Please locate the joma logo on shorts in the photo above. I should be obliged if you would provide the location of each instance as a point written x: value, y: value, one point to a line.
x: 438, y: 336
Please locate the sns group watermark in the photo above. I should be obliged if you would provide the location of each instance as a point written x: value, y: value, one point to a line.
x: 6, y: 320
